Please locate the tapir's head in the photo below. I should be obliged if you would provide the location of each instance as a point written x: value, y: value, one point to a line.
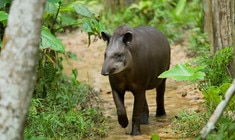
x: 117, y: 55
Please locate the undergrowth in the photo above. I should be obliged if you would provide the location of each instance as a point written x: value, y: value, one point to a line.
x: 216, y: 81
x: 71, y: 110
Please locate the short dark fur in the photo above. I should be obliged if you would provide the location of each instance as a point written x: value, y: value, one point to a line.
x: 147, y: 54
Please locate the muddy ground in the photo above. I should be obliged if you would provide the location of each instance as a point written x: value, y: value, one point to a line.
x: 179, y: 95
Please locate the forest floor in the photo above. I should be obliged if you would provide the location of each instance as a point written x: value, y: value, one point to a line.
x: 179, y: 95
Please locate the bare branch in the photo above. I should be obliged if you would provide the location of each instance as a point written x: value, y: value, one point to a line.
x: 218, y: 111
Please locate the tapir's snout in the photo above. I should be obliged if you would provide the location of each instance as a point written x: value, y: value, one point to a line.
x: 104, y: 70
x: 107, y: 70
x: 104, y: 73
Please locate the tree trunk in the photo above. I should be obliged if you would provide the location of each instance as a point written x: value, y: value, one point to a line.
x: 18, y: 60
x: 219, y: 25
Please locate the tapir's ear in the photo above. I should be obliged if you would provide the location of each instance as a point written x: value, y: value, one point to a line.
x: 105, y: 36
x: 127, y: 38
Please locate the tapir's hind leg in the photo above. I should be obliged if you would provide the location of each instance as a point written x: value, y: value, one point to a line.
x: 160, y: 99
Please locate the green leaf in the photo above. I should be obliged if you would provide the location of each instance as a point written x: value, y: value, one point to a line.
x: 87, y: 27
x: 51, y: 8
x: 67, y: 20
x: 82, y: 10
x: 3, y: 16
x: 180, y: 7
x: 102, y: 28
x: 155, y: 137
x: 48, y: 40
x: 181, y: 72
x: 212, y: 94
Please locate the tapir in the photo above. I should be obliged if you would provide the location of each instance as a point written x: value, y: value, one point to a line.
x: 133, y: 60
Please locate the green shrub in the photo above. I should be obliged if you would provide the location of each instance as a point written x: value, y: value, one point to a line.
x: 71, y: 110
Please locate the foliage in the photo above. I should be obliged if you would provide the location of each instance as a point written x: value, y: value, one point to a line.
x: 71, y: 110
x: 50, y: 41
x: 189, y: 123
x: 226, y: 132
x: 213, y: 67
x: 181, y: 72
x: 61, y: 107
x: 217, y: 66
x: 171, y: 17
x: 213, y: 86
x: 209, y: 71
x: 214, y: 94
x: 198, y: 43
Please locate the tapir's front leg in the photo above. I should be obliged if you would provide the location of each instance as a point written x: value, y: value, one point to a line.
x: 137, y: 111
x: 121, y: 111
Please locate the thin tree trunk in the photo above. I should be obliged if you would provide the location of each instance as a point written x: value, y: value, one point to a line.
x: 219, y: 25
x: 223, y: 23
x: 18, y: 60
x: 208, y: 24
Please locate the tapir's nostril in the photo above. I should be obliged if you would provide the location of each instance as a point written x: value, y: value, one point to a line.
x: 104, y: 73
x: 108, y: 72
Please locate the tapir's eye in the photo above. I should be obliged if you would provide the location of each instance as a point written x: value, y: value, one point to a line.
x: 119, y: 56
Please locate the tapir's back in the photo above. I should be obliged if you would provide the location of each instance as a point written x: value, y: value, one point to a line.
x: 152, y: 54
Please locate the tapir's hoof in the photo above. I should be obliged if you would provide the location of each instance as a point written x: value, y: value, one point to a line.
x: 123, y: 121
x: 161, y: 112
x: 135, y: 133
x: 135, y: 130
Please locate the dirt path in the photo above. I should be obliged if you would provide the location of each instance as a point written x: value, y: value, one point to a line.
x: 178, y: 95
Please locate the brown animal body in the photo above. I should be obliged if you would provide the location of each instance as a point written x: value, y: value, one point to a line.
x: 134, y: 58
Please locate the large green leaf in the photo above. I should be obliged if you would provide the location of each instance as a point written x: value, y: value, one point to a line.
x: 181, y: 72
x: 48, y: 40
x: 3, y: 16
x: 83, y: 10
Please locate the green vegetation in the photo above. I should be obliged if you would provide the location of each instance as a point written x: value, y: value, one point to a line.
x: 171, y: 17
x: 210, y: 72
x: 71, y: 110
x: 189, y: 123
x: 62, y: 107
